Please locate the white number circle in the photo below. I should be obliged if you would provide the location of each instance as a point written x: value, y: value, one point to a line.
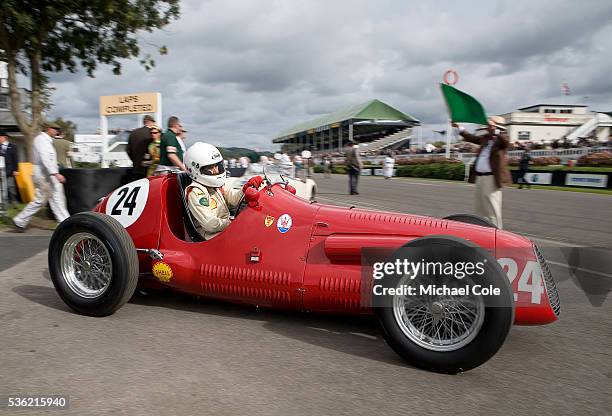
x: 127, y: 203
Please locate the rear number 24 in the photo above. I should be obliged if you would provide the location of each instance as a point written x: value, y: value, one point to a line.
x: 128, y: 201
x: 530, y: 280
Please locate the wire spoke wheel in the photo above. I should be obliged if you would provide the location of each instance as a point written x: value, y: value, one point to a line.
x: 86, y: 265
x: 439, y: 323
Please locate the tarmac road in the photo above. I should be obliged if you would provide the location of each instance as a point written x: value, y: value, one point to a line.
x: 170, y: 354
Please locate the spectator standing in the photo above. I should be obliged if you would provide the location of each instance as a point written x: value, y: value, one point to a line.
x: 62, y: 148
x: 297, y: 162
x: 354, y: 166
x: 171, y: 147
x: 327, y: 166
x: 524, y: 170
x: 137, y: 147
x: 389, y: 163
x: 9, y: 152
x: 491, y: 169
x: 286, y: 165
x: 47, y: 180
x: 152, y: 157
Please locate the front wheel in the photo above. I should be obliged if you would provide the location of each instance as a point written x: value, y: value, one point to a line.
x: 447, y: 333
x: 93, y: 263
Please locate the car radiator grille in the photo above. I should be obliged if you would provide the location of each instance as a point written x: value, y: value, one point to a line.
x: 549, y: 281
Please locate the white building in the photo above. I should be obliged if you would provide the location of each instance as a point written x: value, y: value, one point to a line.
x: 88, y: 148
x: 543, y: 123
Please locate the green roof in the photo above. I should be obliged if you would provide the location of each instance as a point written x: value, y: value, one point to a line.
x: 371, y: 110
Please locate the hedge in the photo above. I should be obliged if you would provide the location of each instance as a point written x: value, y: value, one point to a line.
x: 454, y: 171
x: 444, y: 170
x: 340, y: 169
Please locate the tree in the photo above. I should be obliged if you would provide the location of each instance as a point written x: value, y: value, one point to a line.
x: 56, y: 35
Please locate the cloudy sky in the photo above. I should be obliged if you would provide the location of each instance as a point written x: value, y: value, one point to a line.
x: 240, y: 71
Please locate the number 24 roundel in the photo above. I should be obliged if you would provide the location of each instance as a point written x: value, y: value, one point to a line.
x: 127, y: 203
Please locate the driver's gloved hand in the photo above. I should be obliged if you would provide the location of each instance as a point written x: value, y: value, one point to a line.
x: 255, y: 182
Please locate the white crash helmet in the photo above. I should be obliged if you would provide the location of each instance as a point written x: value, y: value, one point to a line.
x: 199, y: 159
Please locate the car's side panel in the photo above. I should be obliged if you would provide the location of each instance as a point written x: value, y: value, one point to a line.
x: 252, y: 261
x: 333, y: 279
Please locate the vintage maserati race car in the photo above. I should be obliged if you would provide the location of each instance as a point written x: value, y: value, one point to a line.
x: 281, y: 251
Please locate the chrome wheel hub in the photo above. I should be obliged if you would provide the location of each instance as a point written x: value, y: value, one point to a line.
x: 86, y: 265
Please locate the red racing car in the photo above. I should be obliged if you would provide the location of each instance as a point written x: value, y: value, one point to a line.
x: 283, y: 252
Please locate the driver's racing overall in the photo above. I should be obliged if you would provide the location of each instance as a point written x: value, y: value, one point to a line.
x: 208, y: 202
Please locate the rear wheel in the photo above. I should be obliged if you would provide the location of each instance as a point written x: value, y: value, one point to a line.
x: 93, y: 263
x: 471, y: 219
x: 447, y: 333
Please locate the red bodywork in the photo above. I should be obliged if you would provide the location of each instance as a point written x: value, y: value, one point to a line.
x: 316, y: 265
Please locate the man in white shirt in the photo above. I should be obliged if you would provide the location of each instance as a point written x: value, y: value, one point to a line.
x: 47, y: 180
x: 491, y: 168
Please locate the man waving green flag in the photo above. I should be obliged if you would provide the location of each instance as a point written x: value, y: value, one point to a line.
x: 463, y: 107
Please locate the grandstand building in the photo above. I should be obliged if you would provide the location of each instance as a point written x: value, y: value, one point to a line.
x: 374, y: 125
x: 544, y: 123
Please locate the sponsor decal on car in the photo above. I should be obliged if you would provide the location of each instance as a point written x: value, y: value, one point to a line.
x: 284, y: 223
x: 162, y: 271
x: 268, y: 221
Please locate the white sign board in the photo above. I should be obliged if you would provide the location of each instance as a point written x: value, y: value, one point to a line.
x: 366, y: 172
x: 539, y: 178
x: 139, y: 103
x: 585, y: 179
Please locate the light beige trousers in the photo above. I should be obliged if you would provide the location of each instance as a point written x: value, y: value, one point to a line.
x: 489, y: 200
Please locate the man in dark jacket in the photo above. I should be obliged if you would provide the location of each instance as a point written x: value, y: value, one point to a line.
x: 491, y: 168
x: 9, y: 152
x: 138, y: 143
x: 524, y: 170
x: 353, y: 165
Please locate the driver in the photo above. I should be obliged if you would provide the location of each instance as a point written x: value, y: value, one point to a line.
x: 208, y: 202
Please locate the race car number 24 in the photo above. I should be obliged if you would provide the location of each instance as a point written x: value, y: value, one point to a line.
x: 529, y: 280
x: 127, y: 203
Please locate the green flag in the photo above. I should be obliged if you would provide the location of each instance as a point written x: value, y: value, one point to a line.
x: 463, y: 107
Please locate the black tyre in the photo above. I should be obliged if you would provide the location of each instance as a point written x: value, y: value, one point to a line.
x: 471, y: 219
x: 93, y: 263
x: 447, y: 334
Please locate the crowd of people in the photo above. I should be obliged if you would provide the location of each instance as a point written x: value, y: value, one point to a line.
x: 152, y: 150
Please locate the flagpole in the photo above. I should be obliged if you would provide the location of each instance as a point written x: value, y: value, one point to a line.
x: 448, y: 138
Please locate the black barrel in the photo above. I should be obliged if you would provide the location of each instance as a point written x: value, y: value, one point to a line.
x: 84, y: 187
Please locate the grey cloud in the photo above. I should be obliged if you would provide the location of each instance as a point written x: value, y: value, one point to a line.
x: 239, y: 72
